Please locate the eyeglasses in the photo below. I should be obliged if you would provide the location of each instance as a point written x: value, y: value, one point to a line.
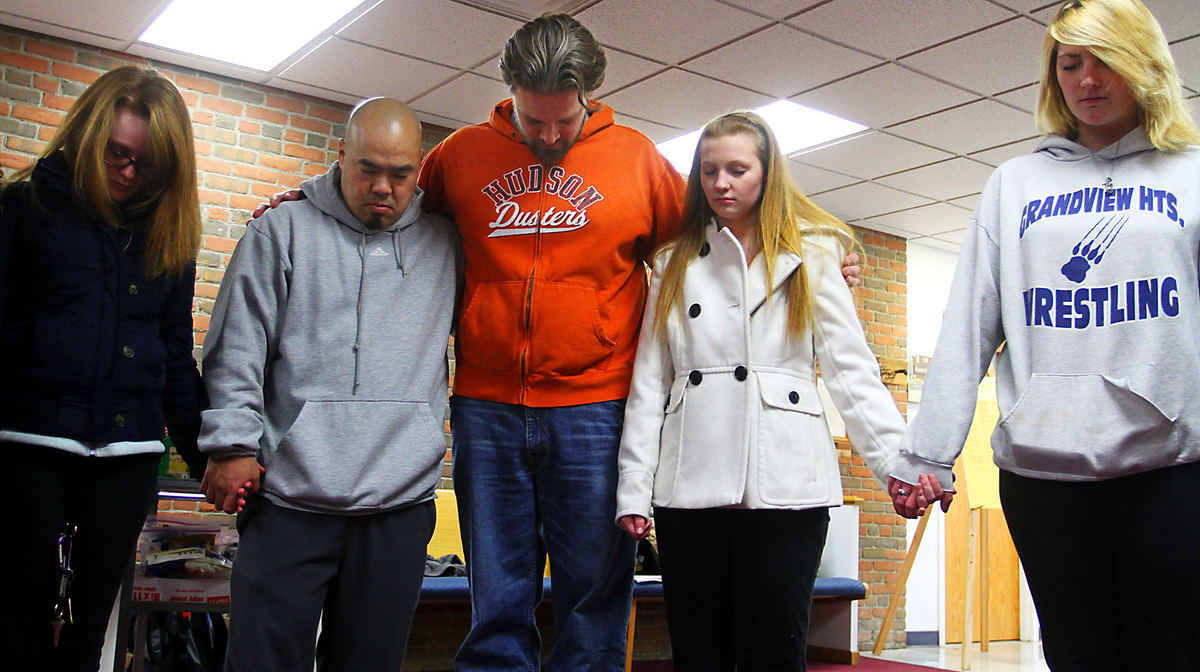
x: 115, y: 157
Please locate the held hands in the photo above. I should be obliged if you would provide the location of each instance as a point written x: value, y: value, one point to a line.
x: 851, y: 271
x: 636, y: 527
x: 911, y: 501
x: 294, y: 195
x: 229, y: 481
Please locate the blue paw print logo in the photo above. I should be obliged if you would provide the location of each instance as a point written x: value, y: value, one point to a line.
x: 1090, y: 249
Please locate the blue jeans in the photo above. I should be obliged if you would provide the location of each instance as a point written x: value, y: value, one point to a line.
x: 532, y: 481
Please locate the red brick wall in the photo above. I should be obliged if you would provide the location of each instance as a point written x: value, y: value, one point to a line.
x: 253, y: 141
x: 882, y: 306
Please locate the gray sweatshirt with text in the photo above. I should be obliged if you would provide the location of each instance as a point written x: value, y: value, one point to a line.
x: 326, y: 356
x: 1093, y: 294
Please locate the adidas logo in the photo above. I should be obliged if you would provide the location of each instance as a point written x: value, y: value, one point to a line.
x: 379, y: 252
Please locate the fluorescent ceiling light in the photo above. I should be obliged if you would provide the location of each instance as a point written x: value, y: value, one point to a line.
x: 255, y: 34
x: 679, y: 151
x: 796, y: 127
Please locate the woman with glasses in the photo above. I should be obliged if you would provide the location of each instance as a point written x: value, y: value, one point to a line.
x: 1081, y: 261
x: 97, y: 263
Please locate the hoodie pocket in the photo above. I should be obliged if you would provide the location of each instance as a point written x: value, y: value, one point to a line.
x: 791, y: 431
x: 489, y: 329
x: 566, y: 331
x: 348, y: 455
x: 1084, y: 424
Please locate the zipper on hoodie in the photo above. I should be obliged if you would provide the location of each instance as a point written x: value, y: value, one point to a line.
x: 527, y: 339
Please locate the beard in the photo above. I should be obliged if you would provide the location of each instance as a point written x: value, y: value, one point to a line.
x: 547, y: 153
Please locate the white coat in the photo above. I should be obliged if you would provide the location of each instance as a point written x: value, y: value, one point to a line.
x: 725, y: 411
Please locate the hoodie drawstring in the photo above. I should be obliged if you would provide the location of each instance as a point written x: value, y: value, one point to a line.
x: 362, y: 288
x: 396, y: 252
x: 358, y: 314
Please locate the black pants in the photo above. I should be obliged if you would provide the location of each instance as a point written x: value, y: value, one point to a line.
x: 108, y: 499
x: 738, y: 586
x: 1114, y: 568
x: 361, y: 575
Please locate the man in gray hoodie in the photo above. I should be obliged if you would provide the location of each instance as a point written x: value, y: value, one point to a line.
x: 326, y: 364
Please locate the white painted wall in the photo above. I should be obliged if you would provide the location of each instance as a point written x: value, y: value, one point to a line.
x: 930, y: 271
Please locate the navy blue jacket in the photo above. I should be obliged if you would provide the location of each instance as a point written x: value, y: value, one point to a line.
x: 90, y: 348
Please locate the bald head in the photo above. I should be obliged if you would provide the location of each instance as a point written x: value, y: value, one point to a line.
x: 379, y: 158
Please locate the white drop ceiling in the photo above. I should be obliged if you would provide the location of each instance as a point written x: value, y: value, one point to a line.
x: 946, y: 86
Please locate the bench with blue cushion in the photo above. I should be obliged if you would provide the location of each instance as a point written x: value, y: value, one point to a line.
x: 454, y: 589
x: 443, y: 589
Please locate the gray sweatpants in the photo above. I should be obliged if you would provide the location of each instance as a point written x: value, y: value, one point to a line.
x: 360, y: 575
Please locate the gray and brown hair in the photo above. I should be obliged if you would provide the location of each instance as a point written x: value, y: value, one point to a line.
x: 553, y: 53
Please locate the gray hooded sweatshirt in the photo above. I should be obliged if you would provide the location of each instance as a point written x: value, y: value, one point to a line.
x: 1093, y: 293
x: 326, y: 356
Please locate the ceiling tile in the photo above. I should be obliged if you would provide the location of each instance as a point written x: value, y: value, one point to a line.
x: 155, y: 53
x: 325, y: 67
x: 625, y: 68
x: 1027, y: 5
x: 315, y: 91
x: 884, y: 96
x: 942, y: 181
x: 1178, y: 19
x: 658, y: 99
x: 967, y: 202
x: 467, y: 99
x: 776, y: 9
x: 798, y: 61
x: 402, y: 26
x: 1187, y: 62
x: 866, y: 200
x: 953, y: 237
x: 490, y: 68
x: 122, y: 21
x: 870, y: 155
x: 72, y: 34
x: 656, y: 132
x: 927, y: 220
x: 893, y: 28
x: 813, y: 180
x: 998, y: 155
x: 993, y: 60
x: 694, y: 26
x: 938, y: 242
x: 969, y: 128
x: 1024, y: 98
x: 1046, y: 14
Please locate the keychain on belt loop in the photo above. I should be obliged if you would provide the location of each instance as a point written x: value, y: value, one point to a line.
x: 62, y: 602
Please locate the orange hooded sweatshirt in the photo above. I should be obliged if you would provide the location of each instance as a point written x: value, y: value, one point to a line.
x: 554, y: 279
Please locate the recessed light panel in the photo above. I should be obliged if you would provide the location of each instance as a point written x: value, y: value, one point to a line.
x: 796, y: 127
x: 256, y: 34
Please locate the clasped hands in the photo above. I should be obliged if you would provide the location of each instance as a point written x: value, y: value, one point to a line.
x: 911, y: 500
x: 228, y: 481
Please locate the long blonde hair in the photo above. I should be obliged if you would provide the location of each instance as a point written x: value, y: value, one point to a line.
x: 785, y: 218
x: 173, y: 236
x: 1125, y: 36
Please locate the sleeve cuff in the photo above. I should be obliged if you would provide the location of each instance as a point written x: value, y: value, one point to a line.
x: 908, y: 468
x: 633, y: 495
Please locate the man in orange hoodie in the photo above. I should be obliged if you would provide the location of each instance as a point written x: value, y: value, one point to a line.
x: 558, y: 208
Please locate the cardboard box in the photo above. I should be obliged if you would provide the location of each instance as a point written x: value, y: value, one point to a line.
x: 186, y: 591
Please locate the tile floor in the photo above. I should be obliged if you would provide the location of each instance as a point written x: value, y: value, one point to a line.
x: 1001, y: 657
